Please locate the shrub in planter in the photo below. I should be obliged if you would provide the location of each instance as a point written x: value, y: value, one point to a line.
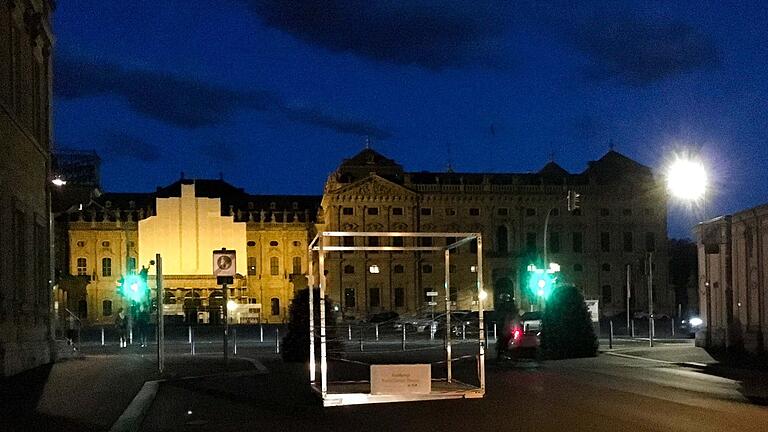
x: 295, y: 344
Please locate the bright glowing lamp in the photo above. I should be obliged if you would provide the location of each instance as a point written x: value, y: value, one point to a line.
x: 687, y: 179
x: 231, y: 305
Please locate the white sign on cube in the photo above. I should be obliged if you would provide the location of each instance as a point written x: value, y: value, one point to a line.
x: 224, y: 262
x: 401, y: 379
x: 431, y: 293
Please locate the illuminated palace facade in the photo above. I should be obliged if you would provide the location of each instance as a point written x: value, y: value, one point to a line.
x: 622, y: 218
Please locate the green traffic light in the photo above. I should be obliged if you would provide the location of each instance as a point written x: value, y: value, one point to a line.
x: 135, y: 288
x: 541, y: 282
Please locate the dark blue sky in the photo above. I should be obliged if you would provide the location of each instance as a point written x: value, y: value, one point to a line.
x: 275, y: 95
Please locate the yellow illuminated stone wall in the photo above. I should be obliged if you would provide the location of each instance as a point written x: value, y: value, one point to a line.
x: 185, y: 232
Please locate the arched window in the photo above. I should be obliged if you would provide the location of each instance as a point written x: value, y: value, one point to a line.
x: 349, y: 269
x: 169, y: 298
x: 82, y: 266
x: 274, y: 306
x: 502, y: 239
x: 106, y: 267
x: 274, y: 266
x: 251, y: 266
x: 606, y: 267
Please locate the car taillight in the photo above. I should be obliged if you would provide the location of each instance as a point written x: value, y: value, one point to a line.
x: 517, y: 334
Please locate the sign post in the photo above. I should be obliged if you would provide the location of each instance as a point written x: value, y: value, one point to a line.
x: 160, y: 318
x: 224, y: 268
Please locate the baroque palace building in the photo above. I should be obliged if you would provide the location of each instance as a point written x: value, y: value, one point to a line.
x: 622, y: 218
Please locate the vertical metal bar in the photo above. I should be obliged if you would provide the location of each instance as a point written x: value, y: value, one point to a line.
x: 481, y: 357
x: 349, y: 331
x: 323, y: 359
x: 226, y: 324
x: 633, y: 328
x: 160, y: 316
x: 629, y: 291
x: 650, y: 299
x: 234, y: 340
x: 362, y: 329
x: 261, y: 330
x: 102, y: 335
x: 192, y: 345
x: 403, y: 336
x: 311, y: 317
x: 190, y: 335
x: 673, y: 327
x: 610, y: 336
x: 277, y: 340
x: 494, y: 331
x: 448, y: 355
x: 463, y: 331
x: 377, y: 332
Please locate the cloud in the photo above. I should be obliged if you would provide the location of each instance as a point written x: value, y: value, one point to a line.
x: 433, y: 35
x: 635, y: 52
x: 185, y: 102
x: 123, y: 145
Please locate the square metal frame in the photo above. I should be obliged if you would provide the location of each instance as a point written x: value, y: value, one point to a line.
x: 335, y: 399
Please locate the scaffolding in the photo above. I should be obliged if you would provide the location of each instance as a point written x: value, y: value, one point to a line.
x: 339, y: 393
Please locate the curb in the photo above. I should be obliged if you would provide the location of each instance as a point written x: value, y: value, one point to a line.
x: 130, y: 420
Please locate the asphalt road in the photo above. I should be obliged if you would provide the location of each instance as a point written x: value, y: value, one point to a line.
x: 607, y: 393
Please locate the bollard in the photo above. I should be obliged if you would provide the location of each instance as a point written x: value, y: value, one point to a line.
x: 234, y: 339
x: 189, y: 335
x: 633, y: 329
x: 361, y: 339
x: 377, y: 332
x: 610, y: 336
x: 102, y: 336
x: 261, y: 332
x: 192, y: 340
x: 494, y: 331
x: 403, y: 337
x: 349, y: 331
x: 673, y: 327
x: 277, y: 341
x: 464, y: 331
x: 130, y: 336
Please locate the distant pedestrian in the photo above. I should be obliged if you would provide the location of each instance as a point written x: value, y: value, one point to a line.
x: 71, y: 329
x: 120, y: 325
x: 142, y: 323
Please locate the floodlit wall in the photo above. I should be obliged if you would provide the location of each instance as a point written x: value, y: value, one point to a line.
x: 186, y: 230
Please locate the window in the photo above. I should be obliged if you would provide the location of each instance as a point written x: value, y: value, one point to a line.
x: 347, y: 211
x: 474, y: 212
x: 349, y: 269
x: 626, y: 212
x: 578, y: 267
x: 106, y: 267
x: 627, y: 242
x: 82, y: 267
x: 426, y: 211
x: 605, y: 241
x: 554, y: 242
x: 473, y: 246
x: 274, y: 306
x: 349, y: 297
x: 607, y: 294
x: 274, y: 266
x: 251, y: 266
x: 530, y: 212
x: 398, y: 268
x: 454, y: 294
x: 650, y: 242
x: 273, y: 243
x: 606, y: 267
x: 554, y: 212
x: 106, y: 307
x: 373, y: 211
x: 374, y: 299
x: 502, y: 239
x: 502, y: 211
x: 373, y: 241
x: 348, y: 241
x: 251, y: 243
x: 426, y: 297
x: 105, y: 244
x: 296, y: 243
x: 399, y: 297
x: 397, y: 241
x: 426, y: 241
x: 426, y: 268
x: 131, y: 264
x: 605, y: 212
x: 578, y: 242
x: 296, y: 265
x: 397, y: 211
x: 530, y: 241
x: 450, y: 212
x: 80, y: 243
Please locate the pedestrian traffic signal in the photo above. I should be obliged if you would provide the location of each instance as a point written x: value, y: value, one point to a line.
x: 541, y: 282
x: 134, y: 286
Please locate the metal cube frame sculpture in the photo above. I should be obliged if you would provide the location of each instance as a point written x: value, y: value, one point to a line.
x: 319, y: 248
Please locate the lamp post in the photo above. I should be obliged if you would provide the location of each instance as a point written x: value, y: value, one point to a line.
x: 687, y: 181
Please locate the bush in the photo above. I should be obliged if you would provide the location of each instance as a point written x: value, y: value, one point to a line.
x: 567, y: 327
x: 295, y: 344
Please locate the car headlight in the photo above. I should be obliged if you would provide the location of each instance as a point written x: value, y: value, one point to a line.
x: 695, y: 322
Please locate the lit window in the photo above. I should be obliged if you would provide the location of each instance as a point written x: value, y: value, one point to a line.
x: 82, y: 267
x: 106, y: 267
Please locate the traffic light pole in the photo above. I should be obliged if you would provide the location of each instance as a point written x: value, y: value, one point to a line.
x: 160, y: 317
x: 226, y: 323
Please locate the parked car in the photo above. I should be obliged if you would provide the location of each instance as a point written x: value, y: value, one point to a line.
x: 524, y: 338
x: 382, y: 317
x: 691, y: 326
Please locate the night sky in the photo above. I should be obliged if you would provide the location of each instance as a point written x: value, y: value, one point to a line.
x: 275, y: 94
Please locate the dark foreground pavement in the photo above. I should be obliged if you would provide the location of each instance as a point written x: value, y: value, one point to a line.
x: 606, y: 393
